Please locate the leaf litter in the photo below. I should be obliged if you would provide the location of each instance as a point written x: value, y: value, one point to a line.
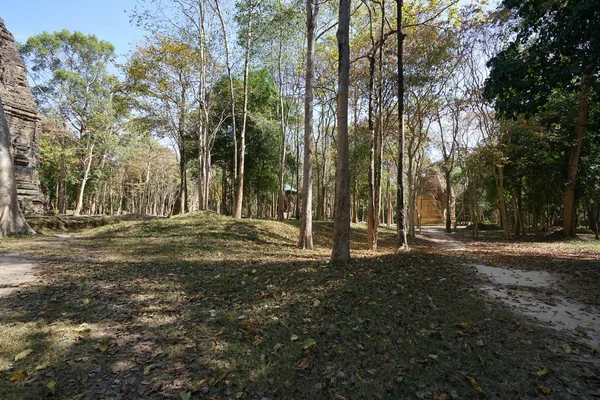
x: 199, y: 305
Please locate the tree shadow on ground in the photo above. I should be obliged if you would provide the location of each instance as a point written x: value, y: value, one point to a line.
x: 385, y: 326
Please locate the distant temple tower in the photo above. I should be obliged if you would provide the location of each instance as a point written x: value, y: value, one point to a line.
x: 431, y: 199
x: 24, y: 123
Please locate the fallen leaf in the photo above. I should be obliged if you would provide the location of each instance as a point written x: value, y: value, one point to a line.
x: 23, y: 354
x: 294, y: 338
x: 308, y: 343
x: 18, y: 375
x: 103, y: 347
x: 475, y: 385
x: 42, y: 366
x: 148, y: 369
x: 303, y: 364
x: 51, y: 386
x: 542, y: 372
x: 316, y: 303
x: 551, y: 302
x: 544, y: 389
x: 239, y: 395
x: 463, y: 325
x: 566, y: 348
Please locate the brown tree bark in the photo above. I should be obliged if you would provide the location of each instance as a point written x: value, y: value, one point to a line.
x: 371, y: 215
x: 401, y: 213
x: 306, y: 238
x: 341, y: 223
x: 569, y: 204
x: 240, y: 176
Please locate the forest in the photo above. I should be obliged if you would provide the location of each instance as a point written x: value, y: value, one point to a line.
x: 218, y: 109
x: 304, y: 199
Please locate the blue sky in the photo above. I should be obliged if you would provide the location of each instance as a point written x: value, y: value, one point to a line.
x: 106, y: 19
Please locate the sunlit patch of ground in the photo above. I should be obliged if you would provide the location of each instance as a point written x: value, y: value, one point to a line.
x: 217, y: 308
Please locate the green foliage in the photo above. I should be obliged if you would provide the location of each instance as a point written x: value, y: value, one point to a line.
x: 555, y: 46
x: 70, y: 74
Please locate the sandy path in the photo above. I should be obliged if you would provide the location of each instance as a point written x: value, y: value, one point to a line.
x: 531, y: 293
x: 14, y: 273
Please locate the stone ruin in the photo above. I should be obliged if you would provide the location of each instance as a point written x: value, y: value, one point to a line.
x: 431, y: 199
x: 24, y: 123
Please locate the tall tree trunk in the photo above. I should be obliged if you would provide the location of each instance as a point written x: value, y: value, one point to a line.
x: 231, y: 94
x: 379, y: 134
x: 306, y: 237
x: 569, y: 204
x: 401, y: 214
x: 86, y: 175
x: 240, y: 181
x: 11, y: 216
x: 281, y: 195
x: 371, y: 216
x: 341, y: 226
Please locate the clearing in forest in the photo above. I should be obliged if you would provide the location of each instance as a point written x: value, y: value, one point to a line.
x: 204, y: 306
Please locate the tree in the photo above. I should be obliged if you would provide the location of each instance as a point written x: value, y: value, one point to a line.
x: 556, y: 47
x: 11, y: 216
x: 72, y: 83
x: 163, y: 73
x: 401, y: 213
x: 245, y: 17
x: 306, y: 239
x: 341, y: 235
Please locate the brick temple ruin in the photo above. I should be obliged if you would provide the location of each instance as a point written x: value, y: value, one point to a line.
x: 24, y: 123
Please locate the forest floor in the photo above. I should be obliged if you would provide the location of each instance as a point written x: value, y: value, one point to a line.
x: 204, y: 306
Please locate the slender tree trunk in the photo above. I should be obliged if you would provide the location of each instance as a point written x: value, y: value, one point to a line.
x: 379, y: 134
x: 231, y: 94
x: 389, y: 203
x: 449, y: 196
x: 597, y: 226
x: 240, y: 181
x: 371, y: 216
x: 499, y: 178
x: 411, y: 197
x: 569, y: 204
x: 11, y: 216
x: 401, y: 214
x: 62, y: 198
x: 297, y: 212
x: 306, y: 237
x: 281, y: 195
x: 355, y: 202
x: 84, y: 180
x: 341, y: 227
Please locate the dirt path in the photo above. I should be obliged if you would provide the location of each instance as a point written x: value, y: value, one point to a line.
x: 14, y: 273
x: 534, y: 294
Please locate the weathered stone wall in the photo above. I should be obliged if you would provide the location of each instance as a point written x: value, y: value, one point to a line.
x: 24, y: 123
